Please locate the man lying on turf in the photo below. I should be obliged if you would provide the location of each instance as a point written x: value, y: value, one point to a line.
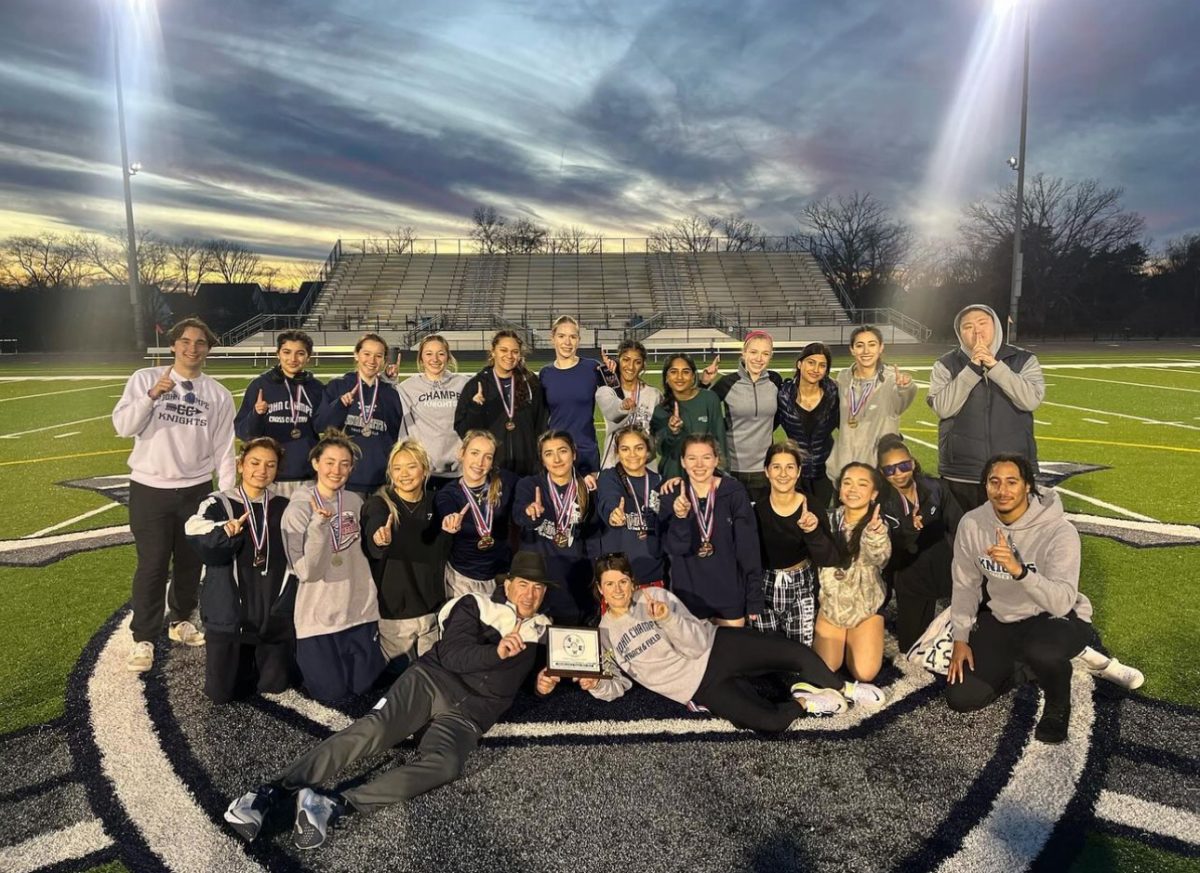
x: 456, y: 691
x: 651, y: 636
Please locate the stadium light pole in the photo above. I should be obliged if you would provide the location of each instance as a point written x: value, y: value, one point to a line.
x: 1014, y: 300
x: 127, y: 172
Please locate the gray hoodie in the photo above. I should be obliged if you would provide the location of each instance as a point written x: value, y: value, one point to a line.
x: 984, y: 412
x: 1042, y: 540
x: 669, y: 657
x: 749, y: 416
x: 429, y: 416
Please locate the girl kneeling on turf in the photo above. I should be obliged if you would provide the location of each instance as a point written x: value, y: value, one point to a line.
x: 337, y: 611
x: 851, y: 553
x: 246, y: 593
x: 654, y: 640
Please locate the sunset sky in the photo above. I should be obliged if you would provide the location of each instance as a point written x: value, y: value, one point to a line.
x: 285, y: 125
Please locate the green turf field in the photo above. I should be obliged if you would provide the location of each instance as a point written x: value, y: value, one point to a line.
x: 1136, y: 414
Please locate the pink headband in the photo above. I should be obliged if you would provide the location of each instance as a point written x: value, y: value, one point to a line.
x: 757, y: 334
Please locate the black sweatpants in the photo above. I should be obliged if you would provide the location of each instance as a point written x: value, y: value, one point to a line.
x: 968, y: 494
x: 235, y: 669
x: 918, y: 588
x: 413, y: 701
x: 740, y: 653
x: 1043, y: 643
x: 156, y: 518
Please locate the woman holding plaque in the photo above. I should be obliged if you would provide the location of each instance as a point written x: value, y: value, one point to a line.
x: 789, y: 580
x: 628, y: 502
x: 558, y: 520
x: 684, y: 410
x: 872, y: 398
x: 712, y: 539
x: 337, y: 610
x: 505, y: 399
x: 851, y: 550
x: 630, y: 403
x: 475, y: 512
x: 655, y: 641
x: 247, y: 597
x: 408, y: 549
x: 368, y: 410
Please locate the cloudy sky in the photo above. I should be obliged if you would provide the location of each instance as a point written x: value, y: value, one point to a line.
x: 288, y: 123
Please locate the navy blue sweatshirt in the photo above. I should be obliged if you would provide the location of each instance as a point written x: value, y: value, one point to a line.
x: 465, y: 555
x: 255, y: 603
x: 729, y: 581
x: 571, y: 398
x: 303, y: 394
x: 645, y: 555
x: 385, y: 427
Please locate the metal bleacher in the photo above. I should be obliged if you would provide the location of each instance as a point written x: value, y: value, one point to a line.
x: 626, y: 293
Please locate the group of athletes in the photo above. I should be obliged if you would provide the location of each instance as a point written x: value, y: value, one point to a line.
x: 443, y: 520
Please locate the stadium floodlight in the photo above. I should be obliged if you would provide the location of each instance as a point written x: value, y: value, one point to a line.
x: 128, y: 170
x: 135, y: 168
x: 1012, y: 162
x: 1017, y: 163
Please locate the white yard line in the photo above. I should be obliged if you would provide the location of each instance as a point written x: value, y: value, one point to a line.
x: 1134, y: 384
x: 53, y: 393
x: 70, y: 521
x: 71, y: 433
x: 1093, y: 421
x: 20, y: 433
x: 1121, y: 415
x: 1128, y: 513
x: 55, y: 847
x: 1042, y: 423
x: 1146, y: 815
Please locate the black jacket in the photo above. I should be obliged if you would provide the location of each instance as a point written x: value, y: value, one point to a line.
x: 517, y: 447
x: 410, y: 572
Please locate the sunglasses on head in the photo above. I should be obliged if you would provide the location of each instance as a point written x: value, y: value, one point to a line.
x: 902, y: 467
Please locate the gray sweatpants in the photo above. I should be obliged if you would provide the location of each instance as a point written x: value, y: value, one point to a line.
x: 413, y: 701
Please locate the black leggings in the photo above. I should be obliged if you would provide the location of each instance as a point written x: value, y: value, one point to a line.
x: 1043, y: 643
x: 739, y: 653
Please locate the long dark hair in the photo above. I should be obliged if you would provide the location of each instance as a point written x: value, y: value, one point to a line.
x: 622, y: 432
x: 581, y: 492
x: 854, y: 542
x: 522, y: 392
x: 612, y: 561
x: 668, y: 398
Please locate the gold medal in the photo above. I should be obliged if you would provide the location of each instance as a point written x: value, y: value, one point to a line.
x: 852, y: 422
x: 337, y: 561
x: 706, y: 549
x: 485, y: 543
x: 510, y: 425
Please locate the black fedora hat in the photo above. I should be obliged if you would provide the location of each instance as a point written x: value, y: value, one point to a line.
x: 528, y: 565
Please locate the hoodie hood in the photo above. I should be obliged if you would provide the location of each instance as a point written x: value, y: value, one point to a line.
x: 997, y: 336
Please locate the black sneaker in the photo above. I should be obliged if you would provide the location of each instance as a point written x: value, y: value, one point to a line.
x: 245, y: 815
x: 315, y: 814
x: 1052, y: 726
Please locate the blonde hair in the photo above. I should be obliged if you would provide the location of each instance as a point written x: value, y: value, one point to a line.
x: 494, y: 484
x: 561, y: 320
x: 451, y: 361
x: 417, y: 451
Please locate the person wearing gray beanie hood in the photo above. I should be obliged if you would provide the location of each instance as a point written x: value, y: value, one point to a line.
x: 984, y: 393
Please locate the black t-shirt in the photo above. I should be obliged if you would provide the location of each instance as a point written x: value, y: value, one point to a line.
x: 781, y: 538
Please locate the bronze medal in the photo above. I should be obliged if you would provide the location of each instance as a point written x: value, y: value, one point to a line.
x: 853, y: 422
x: 706, y: 549
x: 337, y: 561
x: 510, y: 425
x: 485, y: 543
x: 839, y: 574
x: 642, y: 535
x: 365, y: 434
x: 260, y: 559
x: 560, y: 540
x: 295, y: 433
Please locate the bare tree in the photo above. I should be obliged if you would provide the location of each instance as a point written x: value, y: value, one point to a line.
x: 691, y: 234
x: 576, y: 240
x: 858, y: 243
x: 488, y: 229
x: 741, y: 234
x: 524, y: 237
x: 46, y: 261
x: 396, y: 241
x: 190, y: 263
x: 233, y: 262
x: 107, y: 254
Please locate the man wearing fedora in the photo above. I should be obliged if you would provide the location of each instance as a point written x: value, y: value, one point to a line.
x: 456, y: 691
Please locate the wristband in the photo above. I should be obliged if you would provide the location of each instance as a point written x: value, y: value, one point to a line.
x: 1023, y: 574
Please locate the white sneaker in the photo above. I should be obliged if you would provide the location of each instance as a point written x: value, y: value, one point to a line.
x: 1120, y: 674
x: 864, y: 694
x: 819, y: 701
x: 186, y: 633
x: 141, y: 657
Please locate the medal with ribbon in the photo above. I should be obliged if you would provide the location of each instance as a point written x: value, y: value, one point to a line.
x: 858, y: 402
x: 483, y: 516
x: 706, y: 517
x: 509, y: 402
x: 367, y: 412
x: 637, y: 519
x: 294, y: 407
x: 258, y: 535
x: 335, y: 525
x: 913, y: 508
x: 564, y: 506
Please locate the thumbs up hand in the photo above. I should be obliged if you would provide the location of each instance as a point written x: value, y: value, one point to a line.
x: 616, y: 518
